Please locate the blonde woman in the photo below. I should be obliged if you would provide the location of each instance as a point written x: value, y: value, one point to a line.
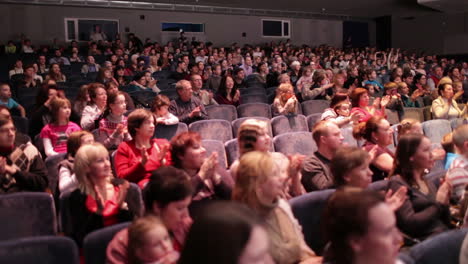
x: 260, y: 186
x: 285, y: 101
x: 100, y: 200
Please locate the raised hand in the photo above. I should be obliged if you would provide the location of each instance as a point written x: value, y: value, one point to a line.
x: 144, y: 156
x: 396, y: 200
x: 443, y: 194
x: 385, y: 100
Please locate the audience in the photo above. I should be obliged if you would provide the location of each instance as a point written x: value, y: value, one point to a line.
x: 67, y: 178
x: 100, y: 200
x: 10, y: 103
x: 378, y: 136
x: 426, y: 211
x: 445, y: 107
x: 392, y: 80
x: 137, y: 158
x: 55, y: 134
x: 92, y: 111
x: 260, y: 186
x: 360, y: 228
x: 167, y: 195
x: 209, y: 179
x: 316, y: 173
x: 457, y: 174
x: 21, y: 166
x: 187, y: 107
x: 247, y: 239
x: 285, y: 101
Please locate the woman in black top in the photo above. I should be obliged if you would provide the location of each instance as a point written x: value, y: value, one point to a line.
x: 426, y: 210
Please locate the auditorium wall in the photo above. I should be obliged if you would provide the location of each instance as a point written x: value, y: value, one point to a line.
x: 41, y: 23
x: 438, y: 33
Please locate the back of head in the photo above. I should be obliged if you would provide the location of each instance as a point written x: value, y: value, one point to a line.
x: 365, y: 129
x: 406, y: 126
x: 254, y: 169
x: 447, y: 143
x: 460, y: 136
x: 347, y: 216
x: 167, y: 184
x: 219, y: 235
x: 345, y: 160
x: 248, y: 133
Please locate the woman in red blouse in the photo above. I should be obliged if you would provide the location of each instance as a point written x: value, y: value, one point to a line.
x: 136, y: 159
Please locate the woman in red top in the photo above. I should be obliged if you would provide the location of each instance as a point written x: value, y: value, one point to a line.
x: 360, y: 102
x: 136, y: 159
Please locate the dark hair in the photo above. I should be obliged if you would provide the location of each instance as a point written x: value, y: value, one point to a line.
x: 441, y: 88
x: 111, y: 98
x: 237, y: 70
x: 160, y: 101
x: 345, y: 160
x: 337, y: 98
x: 222, y: 90
x: 138, y: 76
x: 180, y: 143
x: 136, y: 119
x: 406, y: 148
x: 92, y: 89
x: 4, y: 121
x: 225, y: 229
x: 347, y: 215
x: 166, y: 185
x: 74, y: 141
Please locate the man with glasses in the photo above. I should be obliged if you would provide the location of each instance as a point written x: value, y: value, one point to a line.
x: 187, y: 107
x: 21, y: 165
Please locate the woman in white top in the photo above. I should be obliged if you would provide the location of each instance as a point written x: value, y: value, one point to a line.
x: 91, y: 112
x: 444, y: 107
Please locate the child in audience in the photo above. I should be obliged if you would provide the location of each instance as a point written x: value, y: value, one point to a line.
x: 67, y: 178
x: 55, y: 134
x: 149, y: 242
x: 285, y: 101
x: 6, y: 100
x: 113, y: 125
x: 343, y: 109
x: 160, y: 110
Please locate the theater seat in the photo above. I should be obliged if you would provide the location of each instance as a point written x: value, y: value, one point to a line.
x: 436, y: 129
x: 215, y: 146
x: 314, y: 106
x: 169, y: 131
x: 308, y: 210
x: 215, y: 129
x: 225, y: 112
x: 95, y: 243
x: 44, y: 249
x: 27, y: 214
x: 254, y: 110
x: 289, y: 123
x: 295, y: 143
x: 442, y: 248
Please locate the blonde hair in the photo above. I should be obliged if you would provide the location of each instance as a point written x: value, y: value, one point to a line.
x: 138, y: 235
x: 254, y: 169
x: 283, y: 88
x: 405, y: 126
x: 84, y: 157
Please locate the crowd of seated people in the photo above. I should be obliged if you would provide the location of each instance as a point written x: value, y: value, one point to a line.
x: 99, y: 117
